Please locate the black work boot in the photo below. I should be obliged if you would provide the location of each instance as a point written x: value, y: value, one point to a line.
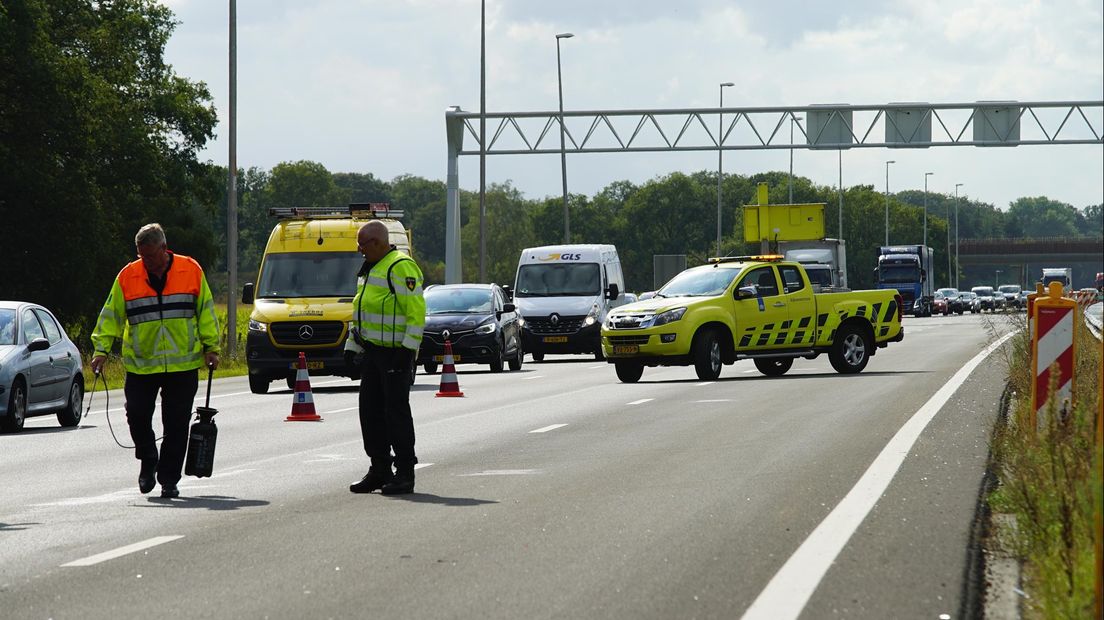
x: 376, y: 478
x: 169, y: 491
x: 147, y: 476
x: 401, y: 484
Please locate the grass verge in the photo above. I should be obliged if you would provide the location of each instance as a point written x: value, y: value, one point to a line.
x: 1049, y: 480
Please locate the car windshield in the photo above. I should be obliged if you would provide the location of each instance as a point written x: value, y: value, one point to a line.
x: 968, y: 296
x: 948, y: 292
x: 558, y: 280
x: 984, y: 292
x: 699, y: 282
x: 1009, y: 288
x: 458, y: 301
x: 309, y: 274
x: 899, y: 274
x: 7, y: 326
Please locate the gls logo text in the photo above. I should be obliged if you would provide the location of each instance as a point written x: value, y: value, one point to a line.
x: 564, y: 256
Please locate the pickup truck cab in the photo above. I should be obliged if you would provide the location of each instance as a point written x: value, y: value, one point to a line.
x: 749, y: 307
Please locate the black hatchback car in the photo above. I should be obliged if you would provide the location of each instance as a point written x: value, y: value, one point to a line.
x: 479, y: 322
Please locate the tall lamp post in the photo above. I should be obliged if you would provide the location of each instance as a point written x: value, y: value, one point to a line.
x: 482, y: 140
x: 563, y: 151
x: 887, y: 200
x: 924, y: 242
x: 720, y: 139
x: 793, y: 119
x: 232, y: 192
x: 957, y: 265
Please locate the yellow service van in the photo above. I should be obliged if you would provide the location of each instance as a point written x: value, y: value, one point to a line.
x: 303, y: 297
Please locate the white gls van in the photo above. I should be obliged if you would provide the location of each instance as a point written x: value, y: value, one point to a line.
x: 563, y: 293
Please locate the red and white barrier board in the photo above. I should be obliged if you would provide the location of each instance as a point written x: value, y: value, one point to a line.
x: 1053, y: 349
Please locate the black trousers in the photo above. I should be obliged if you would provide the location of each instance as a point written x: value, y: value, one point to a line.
x: 178, y: 390
x: 385, y: 419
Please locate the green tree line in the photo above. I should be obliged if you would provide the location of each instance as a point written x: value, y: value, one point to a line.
x: 99, y: 136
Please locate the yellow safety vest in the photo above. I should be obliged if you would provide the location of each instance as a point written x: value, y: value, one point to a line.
x: 388, y: 309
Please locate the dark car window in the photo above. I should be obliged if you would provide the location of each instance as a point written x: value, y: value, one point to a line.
x: 458, y: 301
x: 52, y: 331
x: 764, y: 279
x: 31, y: 328
x: 791, y: 278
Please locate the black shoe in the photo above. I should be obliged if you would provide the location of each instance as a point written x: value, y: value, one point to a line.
x: 401, y: 483
x: 374, y: 480
x: 169, y: 491
x: 147, y: 477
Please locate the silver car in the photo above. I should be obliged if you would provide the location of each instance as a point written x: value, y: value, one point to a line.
x: 40, y: 367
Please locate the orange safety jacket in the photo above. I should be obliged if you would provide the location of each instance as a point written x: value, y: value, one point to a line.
x: 166, y: 332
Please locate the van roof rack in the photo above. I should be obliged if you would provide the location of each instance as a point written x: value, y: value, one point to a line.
x: 366, y: 210
x: 766, y: 258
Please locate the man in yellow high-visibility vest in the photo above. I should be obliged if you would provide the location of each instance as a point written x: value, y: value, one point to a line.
x: 388, y: 318
x: 161, y: 309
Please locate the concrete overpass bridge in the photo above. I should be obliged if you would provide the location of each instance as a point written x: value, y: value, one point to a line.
x: 1020, y: 261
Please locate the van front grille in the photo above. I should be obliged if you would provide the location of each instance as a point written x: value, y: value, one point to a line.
x: 307, y: 333
x: 562, y: 324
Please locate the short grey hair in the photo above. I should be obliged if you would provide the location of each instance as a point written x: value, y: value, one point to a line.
x: 150, y: 234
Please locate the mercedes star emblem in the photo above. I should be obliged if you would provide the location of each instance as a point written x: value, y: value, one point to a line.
x: 306, y: 332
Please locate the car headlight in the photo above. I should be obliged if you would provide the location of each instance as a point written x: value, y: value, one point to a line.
x: 668, y: 317
x: 521, y: 321
x: 257, y: 326
x: 592, y: 316
x: 486, y: 328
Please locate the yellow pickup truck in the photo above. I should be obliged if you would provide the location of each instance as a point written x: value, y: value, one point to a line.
x: 748, y: 307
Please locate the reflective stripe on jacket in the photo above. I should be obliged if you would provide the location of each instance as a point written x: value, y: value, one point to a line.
x: 384, y: 318
x: 169, y: 332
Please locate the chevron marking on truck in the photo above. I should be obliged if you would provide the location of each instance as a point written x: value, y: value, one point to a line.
x: 822, y: 319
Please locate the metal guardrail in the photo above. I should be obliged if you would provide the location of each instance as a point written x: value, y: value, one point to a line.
x: 1093, y: 318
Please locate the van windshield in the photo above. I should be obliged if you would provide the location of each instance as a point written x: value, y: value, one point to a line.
x: 309, y: 274
x: 558, y: 280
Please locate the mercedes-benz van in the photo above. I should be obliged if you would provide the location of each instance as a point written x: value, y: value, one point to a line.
x: 563, y: 293
x: 303, y: 297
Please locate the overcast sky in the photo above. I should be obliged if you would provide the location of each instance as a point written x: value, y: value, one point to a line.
x: 363, y: 85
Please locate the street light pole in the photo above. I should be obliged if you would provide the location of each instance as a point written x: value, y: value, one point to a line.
x: 482, y: 141
x: 563, y: 151
x: 720, y: 141
x: 793, y: 119
x: 232, y: 193
x: 925, y: 240
x: 887, y: 201
x: 957, y: 265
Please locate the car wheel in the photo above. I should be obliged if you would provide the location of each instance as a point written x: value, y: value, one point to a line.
x: 706, y: 352
x: 258, y: 385
x: 70, y: 414
x: 628, y: 372
x: 774, y: 367
x: 538, y: 357
x: 430, y: 368
x: 518, y: 359
x: 851, y: 350
x: 498, y: 363
x: 17, y: 409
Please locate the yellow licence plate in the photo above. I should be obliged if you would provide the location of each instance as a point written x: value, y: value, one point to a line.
x: 625, y: 349
x: 310, y: 365
x: 441, y: 358
x: 554, y: 339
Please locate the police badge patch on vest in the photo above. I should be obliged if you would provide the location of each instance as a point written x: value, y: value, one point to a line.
x: 410, y: 283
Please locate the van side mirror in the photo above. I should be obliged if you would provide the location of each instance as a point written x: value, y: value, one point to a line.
x: 612, y: 292
x: 38, y: 344
x: 247, y: 293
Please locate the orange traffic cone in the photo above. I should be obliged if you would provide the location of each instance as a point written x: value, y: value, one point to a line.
x: 449, y: 385
x: 302, y: 407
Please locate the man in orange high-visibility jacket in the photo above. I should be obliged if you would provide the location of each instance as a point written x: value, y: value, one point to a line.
x: 161, y: 308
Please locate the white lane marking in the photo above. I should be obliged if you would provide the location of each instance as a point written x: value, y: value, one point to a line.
x: 597, y: 367
x: 342, y: 410
x: 328, y: 458
x: 790, y: 588
x: 95, y: 499
x: 533, y: 377
x: 748, y: 372
x: 233, y: 472
x: 545, y: 429
x: 121, y: 551
x: 641, y: 401
x: 421, y: 465
x: 504, y: 472
x: 704, y: 384
x: 715, y: 400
